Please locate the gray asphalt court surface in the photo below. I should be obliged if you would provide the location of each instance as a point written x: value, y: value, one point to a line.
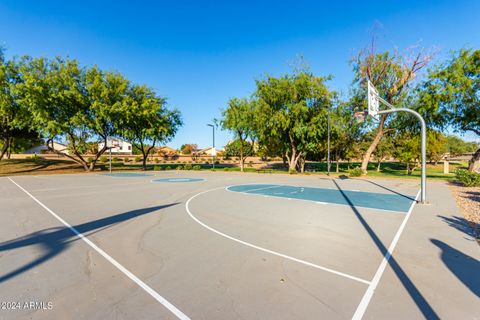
x: 210, y: 245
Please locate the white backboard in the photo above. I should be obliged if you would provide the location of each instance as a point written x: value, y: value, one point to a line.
x: 373, y: 102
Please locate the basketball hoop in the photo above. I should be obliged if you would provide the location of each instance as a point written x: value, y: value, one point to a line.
x: 113, y: 143
x: 373, y: 101
x: 360, y: 116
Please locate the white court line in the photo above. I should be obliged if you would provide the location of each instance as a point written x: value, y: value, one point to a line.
x: 264, y: 249
x: 90, y: 186
x: 264, y: 188
x: 305, y: 200
x: 140, y: 283
x: 362, y: 307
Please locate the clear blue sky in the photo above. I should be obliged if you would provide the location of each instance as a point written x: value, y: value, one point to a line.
x: 201, y: 53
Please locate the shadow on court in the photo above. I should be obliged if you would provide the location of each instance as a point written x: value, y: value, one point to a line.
x: 463, y: 225
x: 388, y: 189
x: 414, y: 293
x: 53, y: 241
x: 464, y: 267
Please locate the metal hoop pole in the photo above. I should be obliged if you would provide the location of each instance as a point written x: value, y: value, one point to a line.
x: 423, y: 192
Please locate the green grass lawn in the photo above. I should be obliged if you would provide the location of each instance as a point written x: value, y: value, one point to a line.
x: 388, y: 169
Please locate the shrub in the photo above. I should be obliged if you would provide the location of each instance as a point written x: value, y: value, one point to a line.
x: 226, y: 169
x: 89, y: 160
x: 187, y: 167
x: 126, y: 159
x: 103, y: 159
x: 158, y: 168
x: 168, y: 168
x: 355, y: 172
x: 292, y: 171
x: 179, y: 167
x: 138, y: 159
x: 156, y: 160
x: 116, y: 159
x: 468, y: 178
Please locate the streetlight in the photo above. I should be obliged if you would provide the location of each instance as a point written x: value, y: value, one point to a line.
x: 328, y: 141
x: 213, y: 149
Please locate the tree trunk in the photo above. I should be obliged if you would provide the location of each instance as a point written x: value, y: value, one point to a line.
x: 293, y: 160
x: 301, y: 164
x: 5, y: 145
x: 378, y: 164
x: 338, y: 163
x: 242, y: 160
x: 474, y: 163
x: 373, y: 145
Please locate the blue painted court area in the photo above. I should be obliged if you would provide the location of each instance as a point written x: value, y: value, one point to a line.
x: 388, y: 202
x: 127, y: 174
x: 173, y: 180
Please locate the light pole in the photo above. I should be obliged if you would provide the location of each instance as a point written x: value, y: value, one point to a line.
x: 328, y: 141
x: 213, y: 149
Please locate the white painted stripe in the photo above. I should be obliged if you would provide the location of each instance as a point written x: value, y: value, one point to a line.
x: 320, y: 202
x: 264, y: 249
x: 362, y: 307
x: 134, y: 278
x: 89, y: 187
x: 264, y: 188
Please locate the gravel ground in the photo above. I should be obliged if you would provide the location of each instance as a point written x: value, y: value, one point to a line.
x: 468, y: 199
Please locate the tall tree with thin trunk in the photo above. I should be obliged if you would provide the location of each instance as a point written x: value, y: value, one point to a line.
x: 239, y: 119
x: 146, y: 121
x: 391, y: 73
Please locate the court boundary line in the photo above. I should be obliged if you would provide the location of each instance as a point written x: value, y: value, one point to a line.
x: 179, y: 314
x: 367, y: 297
x: 86, y: 187
x: 311, y: 201
x: 310, y: 264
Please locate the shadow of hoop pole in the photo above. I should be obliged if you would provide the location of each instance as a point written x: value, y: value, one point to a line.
x: 412, y: 290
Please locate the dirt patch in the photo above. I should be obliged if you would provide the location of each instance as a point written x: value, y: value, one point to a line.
x: 468, y: 199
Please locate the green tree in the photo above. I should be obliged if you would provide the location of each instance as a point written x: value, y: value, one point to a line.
x: 74, y: 104
x: 385, y: 149
x: 452, y: 95
x: 345, y: 133
x: 239, y: 148
x: 291, y: 114
x: 239, y: 119
x: 407, y: 150
x: 391, y: 73
x: 13, y: 117
x: 436, y: 146
x: 146, y: 121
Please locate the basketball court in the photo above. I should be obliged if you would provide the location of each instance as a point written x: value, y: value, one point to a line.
x: 211, y: 245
